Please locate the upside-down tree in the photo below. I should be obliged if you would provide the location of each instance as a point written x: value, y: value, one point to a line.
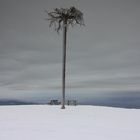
x: 61, y: 19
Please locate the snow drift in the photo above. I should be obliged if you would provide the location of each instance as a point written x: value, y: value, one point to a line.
x: 44, y: 122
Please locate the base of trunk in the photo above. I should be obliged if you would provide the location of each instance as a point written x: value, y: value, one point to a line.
x: 63, y: 107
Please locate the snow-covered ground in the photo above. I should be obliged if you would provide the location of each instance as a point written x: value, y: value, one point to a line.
x: 44, y: 122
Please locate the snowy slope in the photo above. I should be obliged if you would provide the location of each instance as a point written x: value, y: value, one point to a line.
x: 44, y: 122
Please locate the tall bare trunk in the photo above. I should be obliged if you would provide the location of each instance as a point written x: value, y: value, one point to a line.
x: 64, y: 64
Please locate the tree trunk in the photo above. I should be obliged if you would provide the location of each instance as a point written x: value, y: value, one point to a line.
x: 64, y: 64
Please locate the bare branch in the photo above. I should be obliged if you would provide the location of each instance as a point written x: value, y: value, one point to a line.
x: 72, y: 16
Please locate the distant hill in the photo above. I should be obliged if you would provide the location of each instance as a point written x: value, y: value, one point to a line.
x: 14, y: 102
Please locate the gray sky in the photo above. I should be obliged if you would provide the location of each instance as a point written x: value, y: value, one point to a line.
x: 104, y: 55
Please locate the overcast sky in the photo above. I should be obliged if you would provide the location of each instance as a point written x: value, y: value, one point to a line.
x: 104, y: 55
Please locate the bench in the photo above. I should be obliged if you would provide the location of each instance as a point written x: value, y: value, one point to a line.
x: 54, y: 102
x: 72, y: 102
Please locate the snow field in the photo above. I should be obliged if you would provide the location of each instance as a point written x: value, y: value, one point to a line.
x: 44, y: 122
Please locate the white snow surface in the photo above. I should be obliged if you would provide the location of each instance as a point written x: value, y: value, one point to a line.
x: 44, y: 122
